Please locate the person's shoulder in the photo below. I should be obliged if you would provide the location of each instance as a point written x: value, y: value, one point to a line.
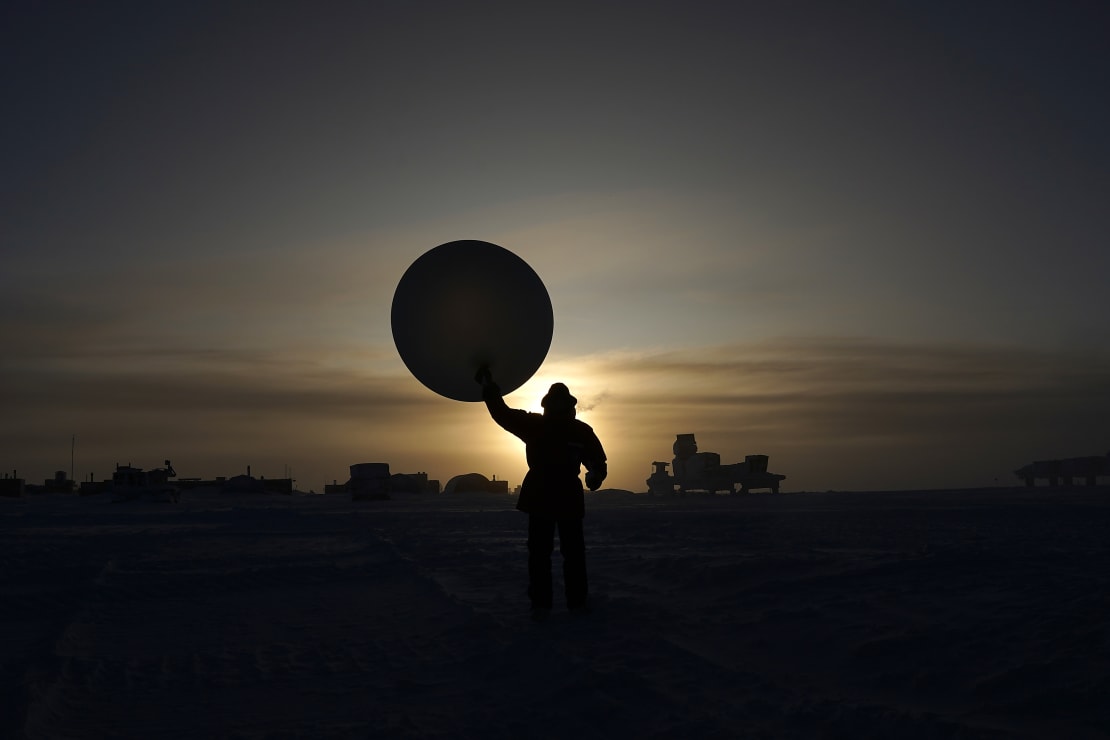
x: 583, y: 427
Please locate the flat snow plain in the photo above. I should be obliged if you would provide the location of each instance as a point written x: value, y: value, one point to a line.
x: 962, y: 614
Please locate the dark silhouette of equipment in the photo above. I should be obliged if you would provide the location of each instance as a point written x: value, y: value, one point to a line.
x: 1090, y: 469
x: 130, y: 483
x: 703, y: 471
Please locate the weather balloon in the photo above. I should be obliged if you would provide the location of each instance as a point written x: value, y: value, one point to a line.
x: 465, y: 304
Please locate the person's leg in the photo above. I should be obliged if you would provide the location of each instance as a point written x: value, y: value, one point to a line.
x: 572, y: 544
x: 541, y: 542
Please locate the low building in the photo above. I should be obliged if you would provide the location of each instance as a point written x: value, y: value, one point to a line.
x: 1087, y: 469
x: 11, y: 487
x: 369, y: 482
x: 412, y: 483
x: 59, y: 483
x: 476, y: 483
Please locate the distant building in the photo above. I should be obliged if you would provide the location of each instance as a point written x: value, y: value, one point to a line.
x: 130, y: 484
x: 476, y: 483
x: 412, y: 483
x: 127, y: 477
x: 11, y: 487
x: 249, y: 484
x: 369, y: 482
x: 1088, y: 469
x: 92, y: 488
x: 59, y: 483
x: 242, y: 484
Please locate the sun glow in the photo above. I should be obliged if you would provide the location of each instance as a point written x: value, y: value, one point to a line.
x: 530, y: 395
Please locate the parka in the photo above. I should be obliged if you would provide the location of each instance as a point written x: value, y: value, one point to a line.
x: 556, y: 447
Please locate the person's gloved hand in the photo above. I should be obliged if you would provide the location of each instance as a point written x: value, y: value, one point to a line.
x: 594, y: 479
x: 490, y: 389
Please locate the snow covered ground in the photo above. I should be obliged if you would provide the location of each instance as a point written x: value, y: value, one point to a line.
x: 969, y: 614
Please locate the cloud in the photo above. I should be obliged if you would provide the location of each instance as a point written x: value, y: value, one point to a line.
x: 211, y: 410
x: 858, y: 413
x: 593, y: 401
x: 844, y: 413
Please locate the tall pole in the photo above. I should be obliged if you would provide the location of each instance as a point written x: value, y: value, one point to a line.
x: 72, y: 449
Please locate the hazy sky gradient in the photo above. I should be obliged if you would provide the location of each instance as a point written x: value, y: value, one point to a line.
x: 866, y: 239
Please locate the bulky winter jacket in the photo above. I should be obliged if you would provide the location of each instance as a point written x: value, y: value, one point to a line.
x: 556, y: 448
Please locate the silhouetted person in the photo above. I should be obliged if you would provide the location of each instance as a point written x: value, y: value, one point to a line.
x: 556, y: 446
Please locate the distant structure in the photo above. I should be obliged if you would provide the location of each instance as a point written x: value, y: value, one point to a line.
x: 369, y: 482
x: 413, y: 483
x: 11, y: 487
x: 249, y: 484
x: 92, y: 487
x: 130, y: 484
x: 60, y: 483
x: 476, y: 483
x: 373, y: 481
x: 1089, y: 469
x: 703, y: 471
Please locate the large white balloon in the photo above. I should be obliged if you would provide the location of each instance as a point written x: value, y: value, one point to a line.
x: 466, y: 304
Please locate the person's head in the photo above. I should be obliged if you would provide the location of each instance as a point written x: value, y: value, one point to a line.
x: 558, y: 402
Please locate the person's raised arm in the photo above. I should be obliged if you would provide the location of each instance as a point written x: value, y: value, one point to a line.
x: 507, y: 418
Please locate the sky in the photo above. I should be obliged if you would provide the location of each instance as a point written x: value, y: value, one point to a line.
x: 867, y: 239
